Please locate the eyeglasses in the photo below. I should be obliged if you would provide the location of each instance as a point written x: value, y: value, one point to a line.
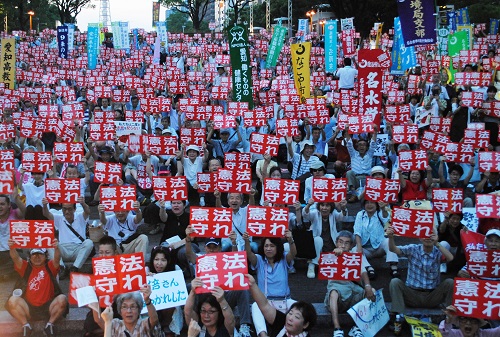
x: 208, y: 312
x: 316, y: 170
x: 131, y: 308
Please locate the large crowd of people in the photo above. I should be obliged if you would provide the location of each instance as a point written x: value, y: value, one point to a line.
x: 133, y: 78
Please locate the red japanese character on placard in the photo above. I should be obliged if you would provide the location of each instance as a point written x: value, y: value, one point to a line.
x: 413, y: 223
x: 32, y: 233
x: 6, y: 182
x: 447, y: 199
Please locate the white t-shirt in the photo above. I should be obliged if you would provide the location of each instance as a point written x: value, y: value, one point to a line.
x: 65, y: 234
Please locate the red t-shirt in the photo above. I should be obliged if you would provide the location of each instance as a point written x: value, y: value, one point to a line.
x: 40, y: 289
x: 414, y: 191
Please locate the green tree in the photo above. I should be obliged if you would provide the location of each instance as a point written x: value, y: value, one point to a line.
x: 69, y: 9
x: 195, y: 9
x: 177, y: 20
x: 18, y: 19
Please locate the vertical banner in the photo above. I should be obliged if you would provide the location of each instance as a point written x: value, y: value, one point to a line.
x: 457, y: 42
x: 470, y: 34
x: 331, y: 46
x: 494, y: 26
x: 275, y: 46
x: 135, y: 41
x: 92, y: 46
x: 156, y: 13
x: 301, y: 54
x: 240, y: 64
x: 125, y: 37
x: 378, y: 27
x: 161, y: 29
x: 117, y: 36
x: 62, y: 41
x: 402, y: 57
x: 302, y: 30
x: 8, y: 63
x: 451, y: 17
x: 417, y: 21
x: 462, y: 16
x: 71, y: 35
x: 102, y: 30
x: 156, y: 54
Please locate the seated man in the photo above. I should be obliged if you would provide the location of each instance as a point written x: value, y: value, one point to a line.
x: 423, y: 288
x: 122, y: 227
x: 235, y: 298
x: 341, y: 295
x: 72, y: 226
x: 41, y: 296
x: 7, y: 213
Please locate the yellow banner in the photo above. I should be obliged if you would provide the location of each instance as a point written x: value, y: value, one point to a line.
x: 8, y: 63
x: 421, y: 328
x: 301, y: 54
x: 379, y: 35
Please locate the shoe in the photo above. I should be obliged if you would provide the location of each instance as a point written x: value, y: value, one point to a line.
x: 202, y: 201
x: 63, y: 273
x: 27, y: 330
x: 292, y: 270
x: 49, y: 330
x: 338, y: 333
x: 394, y: 271
x: 443, y: 268
x: 371, y: 273
x: 355, y: 332
x: 245, y: 330
x: 310, y: 271
x: 155, y: 230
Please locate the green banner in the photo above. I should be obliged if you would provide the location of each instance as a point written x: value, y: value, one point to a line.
x: 240, y: 64
x: 275, y: 46
x: 457, y: 42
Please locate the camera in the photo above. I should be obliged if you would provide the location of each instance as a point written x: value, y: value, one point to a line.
x: 121, y: 234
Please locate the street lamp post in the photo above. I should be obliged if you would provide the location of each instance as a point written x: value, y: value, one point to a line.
x: 322, y: 23
x: 310, y: 14
x: 31, y: 13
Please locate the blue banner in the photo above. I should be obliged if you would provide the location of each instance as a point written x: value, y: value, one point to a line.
x: 452, y: 22
x: 331, y: 46
x: 135, y: 32
x: 494, y: 26
x: 417, y: 21
x: 402, y: 57
x: 92, y: 46
x: 462, y: 16
x: 62, y: 41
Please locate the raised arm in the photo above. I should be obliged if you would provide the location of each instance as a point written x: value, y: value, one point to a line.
x: 293, y: 249
x: 392, y: 245
x: 265, y: 307
x: 190, y: 254
x: 252, y: 258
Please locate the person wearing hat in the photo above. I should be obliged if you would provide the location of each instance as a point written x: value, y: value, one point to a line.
x: 491, y: 242
x: 303, y: 160
x: 467, y: 326
x: 361, y: 161
x: 189, y: 167
x: 226, y: 143
x: 318, y: 170
x: 235, y: 298
x: 41, y: 298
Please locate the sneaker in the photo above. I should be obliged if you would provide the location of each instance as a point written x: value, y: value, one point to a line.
x: 49, y: 330
x: 338, y: 333
x: 245, y: 330
x: 155, y: 230
x: 443, y: 268
x: 27, y: 330
x: 202, y: 201
x: 310, y: 271
x: 355, y: 332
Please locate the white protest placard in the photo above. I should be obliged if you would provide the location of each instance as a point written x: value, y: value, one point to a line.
x: 123, y: 128
x: 369, y: 316
x: 168, y: 290
x: 381, y: 144
x: 422, y: 117
x: 470, y: 220
x: 86, y: 295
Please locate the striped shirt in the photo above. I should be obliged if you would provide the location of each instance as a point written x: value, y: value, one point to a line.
x: 304, y: 164
x: 423, y: 268
x: 361, y: 165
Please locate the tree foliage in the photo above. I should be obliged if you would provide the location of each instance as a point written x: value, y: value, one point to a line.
x: 177, y: 20
x: 195, y: 9
x: 18, y: 19
x: 236, y: 8
x: 69, y: 9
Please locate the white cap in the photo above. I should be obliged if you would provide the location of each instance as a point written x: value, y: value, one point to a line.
x: 493, y: 232
x: 193, y: 147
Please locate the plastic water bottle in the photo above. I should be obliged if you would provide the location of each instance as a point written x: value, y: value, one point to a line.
x: 398, y: 325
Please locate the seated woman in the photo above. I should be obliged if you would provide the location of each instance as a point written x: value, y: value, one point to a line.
x: 212, y: 314
x: 298, y: 320
x: 272, y: 265
x: 415, y: 187
x: 170, y: 319
x: 131, y: 324
x: 324, y: 226
x: 467, y: 326
x: 369, y: 234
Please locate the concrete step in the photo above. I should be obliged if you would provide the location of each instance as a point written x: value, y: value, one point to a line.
x: 72, y: 325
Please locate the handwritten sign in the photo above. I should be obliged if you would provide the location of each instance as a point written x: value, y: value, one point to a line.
x: 168, y: 290
x: 370, y: 317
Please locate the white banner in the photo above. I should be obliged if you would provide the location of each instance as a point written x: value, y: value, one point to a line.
x: 168, y: 290
x: 370, y: 317
x: 127, y: 128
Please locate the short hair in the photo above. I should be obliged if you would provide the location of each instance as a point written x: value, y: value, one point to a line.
x: 347, y: 61
x: 345, y: 234
x: 273, y: 169
x: 108, y: 240
x: 212, y: 301
x: 136, y: 296
x: 315, y: 128
x: 308, y: 313
x: 7, y: 198
x: 457, y: 168
x: 492, y: 88
x: 279, y: 247
x: 332, y: 205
